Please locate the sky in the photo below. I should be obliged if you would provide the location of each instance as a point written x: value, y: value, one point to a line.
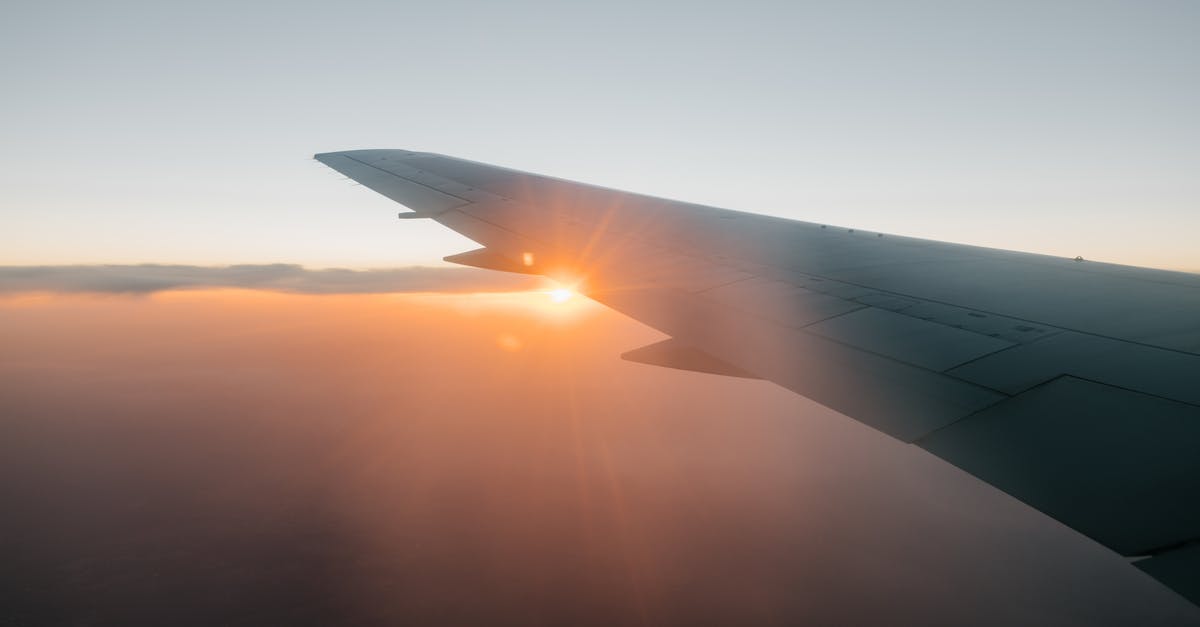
x: 182, y: 132
x: 241, y: 456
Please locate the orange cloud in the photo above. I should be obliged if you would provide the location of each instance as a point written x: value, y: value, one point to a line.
x: 149, y: 278
x: 241, y: 456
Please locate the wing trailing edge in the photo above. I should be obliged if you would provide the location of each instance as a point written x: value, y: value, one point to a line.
x: 672, y: 353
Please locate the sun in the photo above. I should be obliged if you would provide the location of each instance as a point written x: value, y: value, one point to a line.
x: 560, y: 295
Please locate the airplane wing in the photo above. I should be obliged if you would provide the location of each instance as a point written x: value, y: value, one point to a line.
x: 1069, y: 384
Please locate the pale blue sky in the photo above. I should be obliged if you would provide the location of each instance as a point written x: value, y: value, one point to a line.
x: 182, y: 132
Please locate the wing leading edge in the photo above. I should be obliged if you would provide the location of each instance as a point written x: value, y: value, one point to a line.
x: 1072, y: 386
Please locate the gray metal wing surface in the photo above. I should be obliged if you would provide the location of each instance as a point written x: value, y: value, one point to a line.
x: 1072, y: 385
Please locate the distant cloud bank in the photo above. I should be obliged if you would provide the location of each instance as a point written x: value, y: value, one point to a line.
x: 282, y: 277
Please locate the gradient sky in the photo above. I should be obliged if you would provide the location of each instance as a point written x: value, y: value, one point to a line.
x: 181, y: 132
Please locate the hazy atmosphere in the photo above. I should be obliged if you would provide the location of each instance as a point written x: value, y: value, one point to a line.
x: 234, y: 389
x: 252, y: 457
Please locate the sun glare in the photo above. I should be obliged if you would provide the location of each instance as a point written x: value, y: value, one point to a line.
x: 560, y: 295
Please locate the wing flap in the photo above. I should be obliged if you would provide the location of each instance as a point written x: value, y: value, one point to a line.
x: 489, y: 260
x: 671, y: 353
x: 1117, y: 465
x: 1147, y: 369
x: 907, y: 339
x: 905, y: 401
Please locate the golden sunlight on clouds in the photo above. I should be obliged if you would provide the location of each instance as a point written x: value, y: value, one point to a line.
x: 509, y: 342
x: 246, y: 457
x: 558, y: 306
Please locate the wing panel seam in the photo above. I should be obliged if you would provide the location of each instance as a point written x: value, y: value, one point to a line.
x: 405, y: 178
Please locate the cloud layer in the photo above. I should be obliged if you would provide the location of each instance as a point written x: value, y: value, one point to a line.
x: 234, y: 459
x: 148, y: 278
